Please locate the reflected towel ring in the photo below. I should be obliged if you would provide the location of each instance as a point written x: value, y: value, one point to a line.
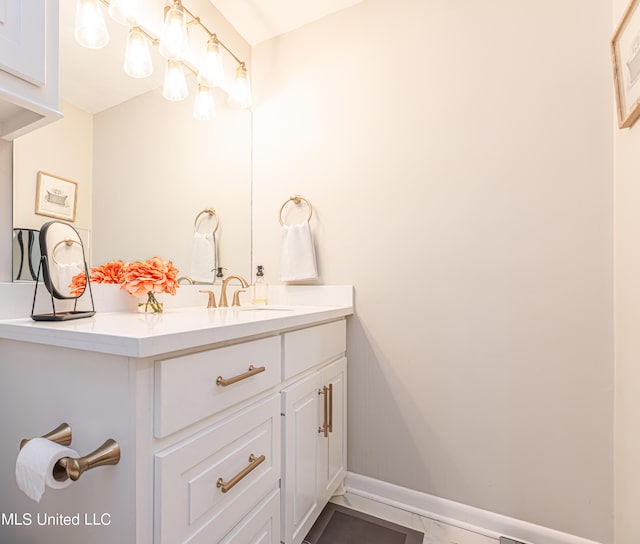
x: 296, y: 200
x: 67, y: 243
x: 212, y: 213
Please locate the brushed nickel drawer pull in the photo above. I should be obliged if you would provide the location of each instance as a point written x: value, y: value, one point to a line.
x: 253, y: 463
x: 324, y: 428
x: 223, y: 382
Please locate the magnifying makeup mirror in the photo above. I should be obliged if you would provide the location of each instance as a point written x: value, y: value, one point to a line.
x: 64, y: 271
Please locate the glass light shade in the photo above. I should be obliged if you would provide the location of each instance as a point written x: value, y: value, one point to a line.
x: 241, y: 92
x: 174, y: 41
x: 121, y: 11
x: 175, y: 84
x: 137, y: 59
x: 90, y: 30
x: 211, y: 73
x: 203, y: 107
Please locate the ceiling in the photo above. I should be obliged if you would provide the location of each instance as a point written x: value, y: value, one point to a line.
x: 259, y: 20
x: 94, y: 80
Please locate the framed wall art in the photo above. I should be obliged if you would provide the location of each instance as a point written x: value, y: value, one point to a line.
x: 625, y: 55
x: 56, y: 197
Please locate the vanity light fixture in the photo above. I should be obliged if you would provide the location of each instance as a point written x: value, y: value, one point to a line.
x: 173, y: 44
x: 174, y: 41
x: 137, y: 59
x: 203, y: 106
x: 90, y: 29
x: 175, y: 85
x: 241, y: 92
x: 121, y: 11
x: 211, y: 73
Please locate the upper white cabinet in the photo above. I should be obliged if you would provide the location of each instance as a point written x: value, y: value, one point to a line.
x: 28, y: 65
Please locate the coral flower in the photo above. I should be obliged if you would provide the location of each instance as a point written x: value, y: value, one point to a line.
x: 111, y: 272
x: 78, y: 284
x: 151, y: 276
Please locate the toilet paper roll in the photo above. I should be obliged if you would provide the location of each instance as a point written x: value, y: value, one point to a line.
x: 34, y: 467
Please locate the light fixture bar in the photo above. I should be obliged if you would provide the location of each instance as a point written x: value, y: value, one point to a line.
x: 241, y: 78
x: 196, y: 19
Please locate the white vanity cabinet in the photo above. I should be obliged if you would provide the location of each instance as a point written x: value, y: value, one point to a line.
x: 28, y: 65
x: 315, y: 422
x: 219, y: 441
x: 207, y: 483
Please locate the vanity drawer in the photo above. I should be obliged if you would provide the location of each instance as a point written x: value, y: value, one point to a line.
x: 190, y: 505
x: 308, y: 347
x: 189, y: 388
x: 261, y: 526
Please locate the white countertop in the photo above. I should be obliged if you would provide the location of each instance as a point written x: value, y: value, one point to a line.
x: 145, y: 335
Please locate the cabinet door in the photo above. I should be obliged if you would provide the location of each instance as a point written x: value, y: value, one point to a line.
x: 332, y: 465
x: 22, y: 39
x: 300, y: 484
x: 29, y: 33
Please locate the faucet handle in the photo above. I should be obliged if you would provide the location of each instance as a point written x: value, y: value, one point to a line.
x: 211, y: 303
x: 236, y: 297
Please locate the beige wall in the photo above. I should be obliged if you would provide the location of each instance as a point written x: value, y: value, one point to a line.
x: 63, y: 148
x: 627, y: 316
x: 459, y: 159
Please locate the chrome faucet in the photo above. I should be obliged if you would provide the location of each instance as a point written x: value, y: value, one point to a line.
x: 223, y: 292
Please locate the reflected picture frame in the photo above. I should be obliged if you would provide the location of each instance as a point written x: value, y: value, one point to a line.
x: 625, y: 58
x: 56, y: 197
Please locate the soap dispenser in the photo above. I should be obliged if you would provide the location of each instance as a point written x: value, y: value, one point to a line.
x: 260, y: 288
x: 219, y: 276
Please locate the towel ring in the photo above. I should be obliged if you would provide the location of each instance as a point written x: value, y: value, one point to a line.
x: 296, y: 200
x: 67, y: 243
x: 212, y: 213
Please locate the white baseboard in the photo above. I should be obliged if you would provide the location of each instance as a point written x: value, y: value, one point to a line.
x: 457, y: 514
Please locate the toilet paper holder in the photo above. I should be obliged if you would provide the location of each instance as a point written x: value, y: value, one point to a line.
x: 71, y: 467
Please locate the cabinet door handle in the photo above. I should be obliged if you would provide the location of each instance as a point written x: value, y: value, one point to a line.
x: 330, y: 425
x: 253, y: 463
x: 324, y: 428
x: 223, y: 382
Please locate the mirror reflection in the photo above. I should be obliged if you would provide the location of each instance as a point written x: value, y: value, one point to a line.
x: 26, y: 254
x: 62, y: 260
x: 144, y: 168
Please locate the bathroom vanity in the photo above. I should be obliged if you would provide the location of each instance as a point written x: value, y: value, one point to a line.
x: 231, y: 422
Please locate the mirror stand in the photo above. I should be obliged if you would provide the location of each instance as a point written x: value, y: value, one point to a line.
x: 60, y: 316
x: 63, y: 264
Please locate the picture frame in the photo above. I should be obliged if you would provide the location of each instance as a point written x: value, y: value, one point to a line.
x: 56, y: 197
x: 625, y: 56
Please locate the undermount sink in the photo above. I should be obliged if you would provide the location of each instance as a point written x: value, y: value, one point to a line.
x: 263, y: 309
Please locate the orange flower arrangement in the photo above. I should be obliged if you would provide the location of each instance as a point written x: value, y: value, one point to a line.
x: 139, y: 278
x: 111, y: 272
x: 149, y: 277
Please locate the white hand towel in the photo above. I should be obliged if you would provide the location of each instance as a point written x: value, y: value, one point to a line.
x: 65, y: 273
x: 298, y: 255
x: 203, y: 257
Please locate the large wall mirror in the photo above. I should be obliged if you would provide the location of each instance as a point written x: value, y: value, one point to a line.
x: 141, y: 169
